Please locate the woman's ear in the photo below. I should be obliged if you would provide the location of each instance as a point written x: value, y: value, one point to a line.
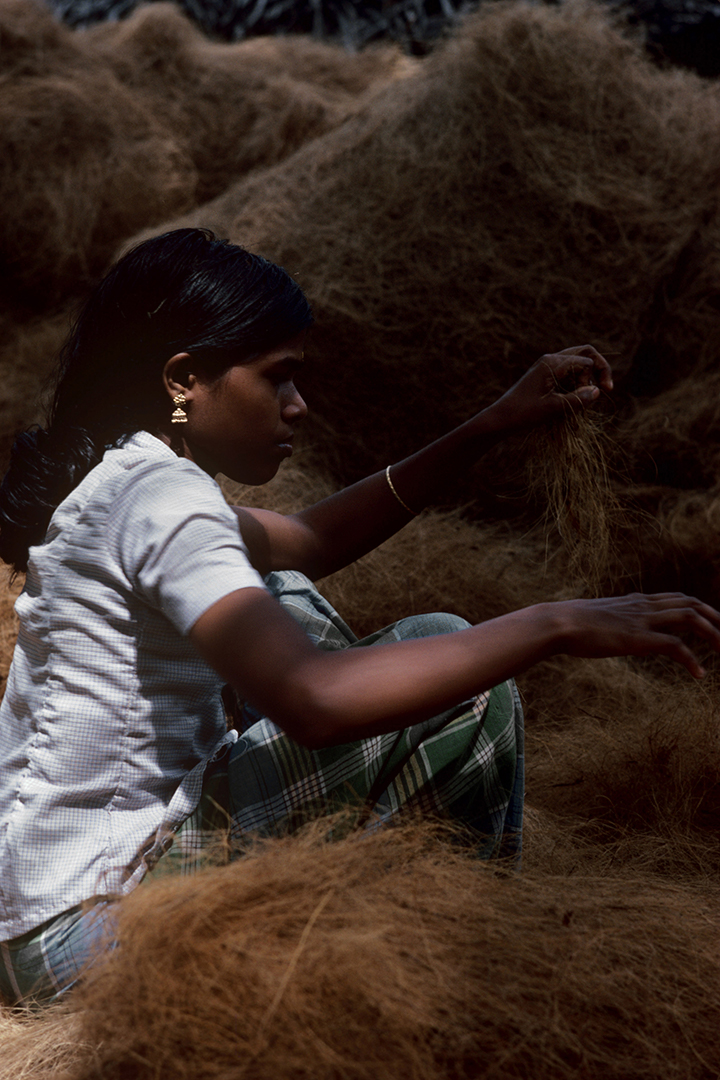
x: 177, y: 377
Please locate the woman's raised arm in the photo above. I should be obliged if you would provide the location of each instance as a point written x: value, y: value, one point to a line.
x: 336, y: 531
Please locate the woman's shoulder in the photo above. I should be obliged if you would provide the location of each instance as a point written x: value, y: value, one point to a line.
x: 140, y: 480
x: 146, y: 452
x: 145, y: 462
x: 139, y: 507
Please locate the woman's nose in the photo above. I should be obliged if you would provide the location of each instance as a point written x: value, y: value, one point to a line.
x: 295, y: 408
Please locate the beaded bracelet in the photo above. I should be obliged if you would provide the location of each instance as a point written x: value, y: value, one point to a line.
x: 392, y: 488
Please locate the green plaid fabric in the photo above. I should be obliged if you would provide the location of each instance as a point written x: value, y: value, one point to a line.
x: 466, y: 762
x: 40, y: 966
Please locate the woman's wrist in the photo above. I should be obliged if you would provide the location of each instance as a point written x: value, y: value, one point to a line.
x: 559, y: 629
x: 551, y: 629
x: 496, y: 422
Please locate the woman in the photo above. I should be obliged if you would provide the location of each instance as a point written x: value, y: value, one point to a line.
x: 143, y: 598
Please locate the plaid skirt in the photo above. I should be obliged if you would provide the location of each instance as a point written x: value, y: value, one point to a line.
x: 466, y: 763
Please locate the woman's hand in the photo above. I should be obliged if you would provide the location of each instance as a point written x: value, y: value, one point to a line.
x: 639, y: 625
x: 571, y: 379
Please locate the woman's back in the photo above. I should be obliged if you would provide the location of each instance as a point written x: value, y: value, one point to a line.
x: 108, y: 707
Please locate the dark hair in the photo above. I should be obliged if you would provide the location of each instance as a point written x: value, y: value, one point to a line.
x: 184, y: 291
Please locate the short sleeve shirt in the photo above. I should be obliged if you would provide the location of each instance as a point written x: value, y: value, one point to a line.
x: 110, y: 715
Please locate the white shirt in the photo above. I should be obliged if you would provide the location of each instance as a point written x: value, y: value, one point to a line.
x: 110, y: 716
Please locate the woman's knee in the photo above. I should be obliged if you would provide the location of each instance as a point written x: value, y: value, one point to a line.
x: 438, y: 622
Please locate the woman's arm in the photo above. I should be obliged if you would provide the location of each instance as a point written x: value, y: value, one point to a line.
x: 322, y: 698
x: 341, y: 528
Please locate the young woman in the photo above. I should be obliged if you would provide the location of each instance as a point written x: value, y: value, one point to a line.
x: 146, y: 594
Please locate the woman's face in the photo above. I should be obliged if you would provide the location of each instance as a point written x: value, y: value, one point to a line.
x: 242, y: 423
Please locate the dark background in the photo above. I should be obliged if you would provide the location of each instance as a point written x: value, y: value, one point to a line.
x: 684, y: 32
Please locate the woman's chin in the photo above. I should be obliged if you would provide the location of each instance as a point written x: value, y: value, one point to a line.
x: 255, y: 476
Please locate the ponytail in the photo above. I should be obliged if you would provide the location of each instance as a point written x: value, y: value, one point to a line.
x: 41, y: 474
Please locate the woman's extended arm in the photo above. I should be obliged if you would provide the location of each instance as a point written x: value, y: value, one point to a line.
x: 341, y: 528
x: 322, y: 698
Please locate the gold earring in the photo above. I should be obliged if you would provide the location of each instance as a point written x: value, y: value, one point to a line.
x: 179, y: 416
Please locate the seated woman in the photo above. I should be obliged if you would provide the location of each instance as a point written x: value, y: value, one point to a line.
x: 146, y: 594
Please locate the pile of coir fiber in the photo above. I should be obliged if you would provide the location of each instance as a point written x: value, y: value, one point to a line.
x: 83, y: 162
x: 237, y: 108
x: 105, y: 132
x: 398, y: 957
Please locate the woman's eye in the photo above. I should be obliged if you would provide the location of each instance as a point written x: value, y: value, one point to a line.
x: 281, y: 375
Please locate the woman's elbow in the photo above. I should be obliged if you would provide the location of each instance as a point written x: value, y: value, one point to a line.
x: 309, y: 720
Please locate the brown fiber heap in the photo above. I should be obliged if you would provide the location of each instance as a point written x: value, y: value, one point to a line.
x: 108, y: 131
x: 396, y: 957
x: 83, y: 162
x: 234, y: 108
x: 112, y: 130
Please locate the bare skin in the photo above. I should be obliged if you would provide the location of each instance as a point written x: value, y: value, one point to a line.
x: 321, y: 698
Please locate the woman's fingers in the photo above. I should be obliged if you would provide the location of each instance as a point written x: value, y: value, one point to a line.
x: 676, y: 649
x: 679, y: 649
x: 686, y: 615
x: 599, y: 364
x: 578, y: 367
x: 571, y: 379
x: 690, y: 622
x: 688, y: 611
x: 640, y: 625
